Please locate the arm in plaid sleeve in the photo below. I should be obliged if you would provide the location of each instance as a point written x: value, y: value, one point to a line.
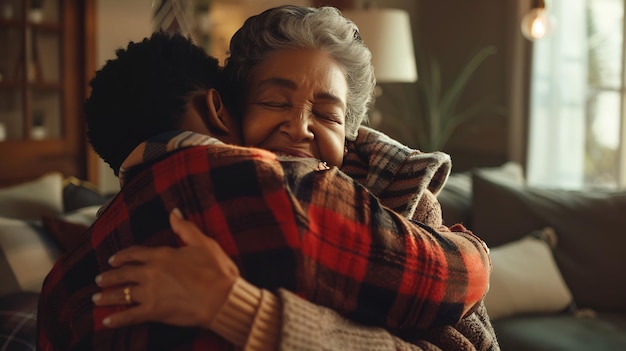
x: 378, y: 267
x: 414, y: 277
x: 347, y: 252
x: 398, y: 175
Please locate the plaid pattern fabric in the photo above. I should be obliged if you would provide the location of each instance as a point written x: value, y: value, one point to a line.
x: 18, y: 321
x: 397, y: 174
x: 284, y: 224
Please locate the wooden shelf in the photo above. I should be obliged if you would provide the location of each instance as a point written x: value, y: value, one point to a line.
x: 48, y: 86
x: 57, y: 99
x: 43, y: 86
x: 46, y: 27
x: 11, y: 23
x: 10, y: 84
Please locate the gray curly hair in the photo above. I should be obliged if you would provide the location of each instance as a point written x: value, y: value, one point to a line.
x: 292, y: 26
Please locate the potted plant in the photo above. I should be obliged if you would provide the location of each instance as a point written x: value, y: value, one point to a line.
x: 439, y: 114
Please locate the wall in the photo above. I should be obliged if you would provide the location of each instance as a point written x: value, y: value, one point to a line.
x: 451, y: 31
x: 227, y: 16
x: 117, y: 23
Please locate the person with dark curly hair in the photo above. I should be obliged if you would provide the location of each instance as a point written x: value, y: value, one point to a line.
x: 270, y: 215
x: 143, y: 92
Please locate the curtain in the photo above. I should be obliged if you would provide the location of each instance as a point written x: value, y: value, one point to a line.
x: 556, y: 148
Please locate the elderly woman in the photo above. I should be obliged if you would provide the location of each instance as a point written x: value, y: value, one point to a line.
x: 315, y: 108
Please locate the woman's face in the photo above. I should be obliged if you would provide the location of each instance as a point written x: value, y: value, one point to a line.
x: 296, y: 105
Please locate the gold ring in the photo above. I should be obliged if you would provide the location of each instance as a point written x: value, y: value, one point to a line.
x: 127, y: 296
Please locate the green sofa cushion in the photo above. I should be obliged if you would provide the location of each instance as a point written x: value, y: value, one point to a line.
x: 563, y: 332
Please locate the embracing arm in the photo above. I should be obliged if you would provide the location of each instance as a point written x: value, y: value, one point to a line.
x: 330, y: 240
x: 297, y: 324
x: 316, y: 328
x: 397, y: 174
x: 258, y: 320
x: 377, y: 267
x: 428, y: 255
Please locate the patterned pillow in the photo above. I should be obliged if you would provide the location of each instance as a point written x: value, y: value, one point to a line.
x: 27, y: 254
x: 18, y: 321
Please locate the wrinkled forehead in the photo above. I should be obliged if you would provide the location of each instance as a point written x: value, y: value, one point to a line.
x: 306, y: 70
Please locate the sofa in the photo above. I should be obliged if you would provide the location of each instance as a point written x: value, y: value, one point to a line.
x: 39, y: 219
x: 557, y: 255
x: 557, y: 258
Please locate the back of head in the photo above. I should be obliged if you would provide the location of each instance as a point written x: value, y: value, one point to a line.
x: 288, y: 27
x: 143, y: 91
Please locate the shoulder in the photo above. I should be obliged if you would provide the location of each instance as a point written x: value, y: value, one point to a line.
x: 217, y: 156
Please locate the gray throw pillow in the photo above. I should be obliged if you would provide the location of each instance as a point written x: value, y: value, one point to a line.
x: 590, y: 225
x: 33, y: 199
x: 456, y: 196
x: 27, y: 254
x: 456, y: 199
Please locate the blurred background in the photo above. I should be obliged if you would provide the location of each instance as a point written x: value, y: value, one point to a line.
x: 470, y: 83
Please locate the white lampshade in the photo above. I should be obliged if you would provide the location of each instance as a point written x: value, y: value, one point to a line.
x: 387, y: 33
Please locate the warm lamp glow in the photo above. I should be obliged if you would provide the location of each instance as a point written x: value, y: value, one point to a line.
x: 387, y: 33
x: 537, y: 23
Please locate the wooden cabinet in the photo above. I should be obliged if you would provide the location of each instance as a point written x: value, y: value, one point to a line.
x: 45, y: 61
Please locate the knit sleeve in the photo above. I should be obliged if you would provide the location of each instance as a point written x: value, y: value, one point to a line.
x: 310, y: 327
x: 250, y: 318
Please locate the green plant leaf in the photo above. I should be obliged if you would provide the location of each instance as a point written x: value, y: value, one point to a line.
x: 440, y: 116
x: 454, y: 93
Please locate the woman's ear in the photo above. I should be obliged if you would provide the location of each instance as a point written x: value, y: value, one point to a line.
x: 216, y: 113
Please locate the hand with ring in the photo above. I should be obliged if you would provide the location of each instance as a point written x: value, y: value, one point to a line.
x: 183, y: 286
x: 127, y: 296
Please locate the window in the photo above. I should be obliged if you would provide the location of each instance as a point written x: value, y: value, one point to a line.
x: 578, y: 98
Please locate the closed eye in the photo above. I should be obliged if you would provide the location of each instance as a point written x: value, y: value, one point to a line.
x: 332, y: 117
x: 275, y: 104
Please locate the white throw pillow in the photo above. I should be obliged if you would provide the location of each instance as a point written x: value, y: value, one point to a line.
x: 525, y: 278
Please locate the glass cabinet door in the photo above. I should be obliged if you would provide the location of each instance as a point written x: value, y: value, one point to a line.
x: 46, y: 58
x: 31, y: 91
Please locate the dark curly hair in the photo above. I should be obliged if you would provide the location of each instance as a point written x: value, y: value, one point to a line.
x: 143, y: 91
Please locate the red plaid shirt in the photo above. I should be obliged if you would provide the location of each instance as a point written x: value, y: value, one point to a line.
x: 318, y: 233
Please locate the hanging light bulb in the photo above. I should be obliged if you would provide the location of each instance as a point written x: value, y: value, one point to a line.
x: 537, y: 23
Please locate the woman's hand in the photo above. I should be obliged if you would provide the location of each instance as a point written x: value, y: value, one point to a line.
x: 183, y: 286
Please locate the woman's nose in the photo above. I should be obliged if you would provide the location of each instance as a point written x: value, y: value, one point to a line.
x: 298, y: 126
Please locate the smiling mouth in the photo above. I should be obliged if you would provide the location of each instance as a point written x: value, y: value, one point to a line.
x: 292, y: 153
